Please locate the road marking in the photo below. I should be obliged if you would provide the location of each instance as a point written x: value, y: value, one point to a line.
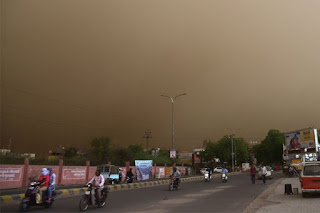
x: 177, y: 201
x: 224, y: 187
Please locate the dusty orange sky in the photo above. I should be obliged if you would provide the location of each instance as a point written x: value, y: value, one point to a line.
x: 75, y: 70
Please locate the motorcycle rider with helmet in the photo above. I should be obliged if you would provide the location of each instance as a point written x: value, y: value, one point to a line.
x: 44, y: 180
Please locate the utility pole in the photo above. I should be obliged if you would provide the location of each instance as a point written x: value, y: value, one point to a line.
x: 10, y: 143
x: 147, y: 136
x: 235, y: 154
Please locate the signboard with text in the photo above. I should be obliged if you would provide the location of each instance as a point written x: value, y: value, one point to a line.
x: 10, y: 174
x: 74, y: 173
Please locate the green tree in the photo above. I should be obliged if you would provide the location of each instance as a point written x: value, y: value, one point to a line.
x: 136, y: 148
x: 121, y: 155
x: 270, y: 149
x: 71, y: 152
x: 223, y: 149
x: 101, y: 150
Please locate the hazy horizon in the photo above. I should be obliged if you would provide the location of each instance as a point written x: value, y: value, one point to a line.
x: 75, y: 70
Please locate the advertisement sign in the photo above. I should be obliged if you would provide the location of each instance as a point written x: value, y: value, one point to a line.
x: 10, y: 174
x: 172, y: 153
x: 143, y: 169
x: 162, y: 173
x: 74, y: 174
x: 168, y: 171
x: 300, y: 139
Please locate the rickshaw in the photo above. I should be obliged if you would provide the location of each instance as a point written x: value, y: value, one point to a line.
x: 110, y: 173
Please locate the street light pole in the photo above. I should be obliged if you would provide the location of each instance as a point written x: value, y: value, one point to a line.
x: 232, y: 153
x: 172, y: 117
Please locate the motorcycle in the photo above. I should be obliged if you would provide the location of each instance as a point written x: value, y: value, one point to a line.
x: 293, y: 173
x: 129, y: 180
x: 174, y: 183
x: 224, y: 177
x: 206, y: 176
x: 86, y: 199
x: 32, y: 197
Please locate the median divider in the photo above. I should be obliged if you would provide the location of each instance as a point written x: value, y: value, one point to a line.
x: 112, y: 188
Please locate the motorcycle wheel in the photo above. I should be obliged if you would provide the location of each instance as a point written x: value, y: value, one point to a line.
x: 102, y: 202
x: 24, y: 207
x: 170, y: 187
x: 177, y: 187
x: 83, y: 205
x: 48, y: 205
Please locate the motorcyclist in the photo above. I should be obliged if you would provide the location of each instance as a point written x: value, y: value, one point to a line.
x: 209, y: 172
x: 52, y: 183
x: 120, y: 175
x: 176, y: 174
x: 224, y: 171
x: 98, y: 183
x: 130, y: 175
x: 44, y: 183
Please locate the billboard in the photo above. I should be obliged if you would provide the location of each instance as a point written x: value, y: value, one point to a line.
x: 301, y: 139
x: 143, y: 169
x: 173, y: 153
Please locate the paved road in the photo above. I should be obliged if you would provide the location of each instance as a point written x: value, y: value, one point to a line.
x: 197, y: 196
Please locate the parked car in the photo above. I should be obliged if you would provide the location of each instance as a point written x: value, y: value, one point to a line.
x: 110, y: 173
x: 217, y: 169
x: 310, y: 178
x: 268, y: 175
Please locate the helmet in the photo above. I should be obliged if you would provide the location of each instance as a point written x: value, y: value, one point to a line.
x: 44, y: 171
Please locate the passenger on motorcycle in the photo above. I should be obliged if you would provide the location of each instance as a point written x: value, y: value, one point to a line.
x: 98, y: 183
x: 52, y: 183
x: 44, y: 180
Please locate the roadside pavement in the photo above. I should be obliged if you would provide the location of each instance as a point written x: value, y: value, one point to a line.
x: 273, y: 199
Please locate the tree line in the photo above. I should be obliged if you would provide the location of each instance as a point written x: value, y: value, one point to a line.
x: 269, y: 151
x: 101, y: 152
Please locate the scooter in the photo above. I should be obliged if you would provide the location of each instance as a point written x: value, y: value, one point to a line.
x: 32, y: 198
x: 86, y: 199
x: 174, y: 183
x: 129, y: 180
x: 206, y: 176
x: 224, y: 177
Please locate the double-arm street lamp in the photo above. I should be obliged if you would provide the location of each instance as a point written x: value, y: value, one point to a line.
x: 172, y: 101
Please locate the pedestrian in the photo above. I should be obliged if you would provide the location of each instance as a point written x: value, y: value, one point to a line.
x: 253, y: 172
x: 264, y: 173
